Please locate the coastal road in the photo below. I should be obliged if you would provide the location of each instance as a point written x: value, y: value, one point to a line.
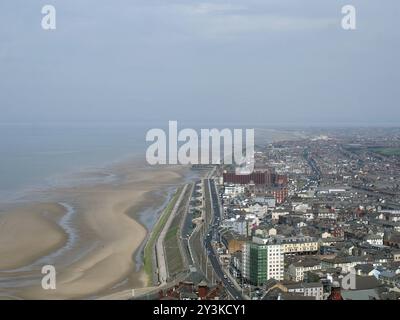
x: 212, y: 234
x: 187, y: 228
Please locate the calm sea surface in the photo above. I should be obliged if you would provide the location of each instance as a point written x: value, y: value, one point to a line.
x: 40, y: 156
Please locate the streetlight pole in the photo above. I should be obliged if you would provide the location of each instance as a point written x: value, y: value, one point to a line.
x: 206, y: 266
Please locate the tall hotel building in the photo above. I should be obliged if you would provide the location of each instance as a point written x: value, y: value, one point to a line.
x: 262, y: 260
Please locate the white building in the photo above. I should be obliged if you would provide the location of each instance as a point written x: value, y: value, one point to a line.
x: 297, y: 270
x: 270, y: 202
x: 259, y: 210
x: 374, y: 240
x: 277, y: 213
x: 327, y: 215
x: 233, y: 190
x: 241, y: 224
x: 300, y: 207
x: 314, y: 289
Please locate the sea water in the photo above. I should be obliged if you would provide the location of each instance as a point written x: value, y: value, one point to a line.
x: 40, y: 156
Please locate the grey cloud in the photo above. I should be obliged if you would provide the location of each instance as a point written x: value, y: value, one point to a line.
x: 263, y: 61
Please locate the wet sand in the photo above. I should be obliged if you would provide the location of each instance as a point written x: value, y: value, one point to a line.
x: 28, y: 233
x: 100, y: 260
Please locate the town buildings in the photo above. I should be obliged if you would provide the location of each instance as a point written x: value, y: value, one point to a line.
x: 315, y: 213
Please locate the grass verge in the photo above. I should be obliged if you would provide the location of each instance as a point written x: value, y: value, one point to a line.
x: 149, y: 249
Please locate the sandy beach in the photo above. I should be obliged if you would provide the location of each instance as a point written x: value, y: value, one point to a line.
x: 101, y: 259
x: 28, y: 233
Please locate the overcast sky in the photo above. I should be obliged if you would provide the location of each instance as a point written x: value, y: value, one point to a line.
x: 242, y: 61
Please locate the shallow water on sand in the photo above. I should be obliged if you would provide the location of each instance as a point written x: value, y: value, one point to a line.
x: 40, y: 156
